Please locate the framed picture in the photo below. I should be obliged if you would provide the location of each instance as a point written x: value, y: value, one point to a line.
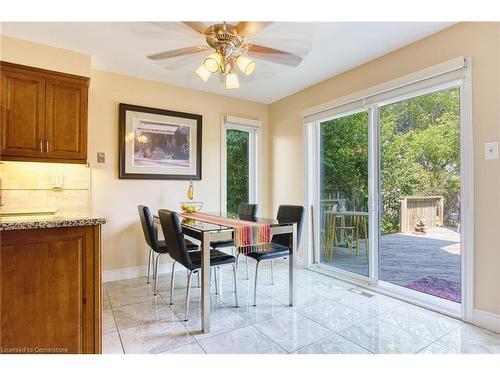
x: 159, y: 144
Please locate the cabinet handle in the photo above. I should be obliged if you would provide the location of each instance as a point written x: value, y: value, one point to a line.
x: 46, y: 145
x: 41, y: 145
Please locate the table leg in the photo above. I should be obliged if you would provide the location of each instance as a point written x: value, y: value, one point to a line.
x: 205, y: 283
x: 291, y: 266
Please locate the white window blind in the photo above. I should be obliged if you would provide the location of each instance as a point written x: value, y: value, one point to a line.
x: 447, y: 72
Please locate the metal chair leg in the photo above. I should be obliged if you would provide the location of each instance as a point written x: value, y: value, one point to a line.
x: 172, y: 282
x: 199, y: 284
x: 216, y: 271
x: 156, y: 273
x: 149, y: 264
x: 187, y: 295
x: 238, y: 260
x: 235, y: 287
x: 272, y: 271
x: 255, y: 286
x: 248, y: 277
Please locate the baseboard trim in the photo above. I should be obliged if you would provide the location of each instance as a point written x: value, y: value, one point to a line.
x: 133, y: 272
x: 486, y: 320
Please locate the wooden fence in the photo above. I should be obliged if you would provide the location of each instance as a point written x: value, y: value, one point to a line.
x: 414, y: 209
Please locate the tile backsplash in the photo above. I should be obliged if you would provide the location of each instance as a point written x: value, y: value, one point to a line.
x: 27, y: 185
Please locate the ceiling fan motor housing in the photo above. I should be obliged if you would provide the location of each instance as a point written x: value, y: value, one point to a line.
x: 224, y: 39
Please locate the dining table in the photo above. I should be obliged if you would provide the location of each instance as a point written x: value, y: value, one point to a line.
x: 206, y: 232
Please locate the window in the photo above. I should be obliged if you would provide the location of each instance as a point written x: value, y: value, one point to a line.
x: 239, y: 164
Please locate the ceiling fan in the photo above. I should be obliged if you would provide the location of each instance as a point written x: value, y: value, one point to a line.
x: 230, y: 50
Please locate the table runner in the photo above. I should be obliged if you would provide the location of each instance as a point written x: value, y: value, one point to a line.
x: 249, y: 236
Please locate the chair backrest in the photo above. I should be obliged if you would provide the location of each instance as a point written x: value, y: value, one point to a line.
x: 174, y: 239
x: 247, y: 211
x: 148, y: 227
x: 289, y: 213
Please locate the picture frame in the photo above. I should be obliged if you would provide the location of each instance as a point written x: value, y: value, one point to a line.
x: 159, y: 144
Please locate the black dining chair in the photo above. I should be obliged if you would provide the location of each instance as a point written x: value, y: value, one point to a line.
x: 191, y: 260
x: 156, y: 247
x: 246, y: 211
x: 280, y: 244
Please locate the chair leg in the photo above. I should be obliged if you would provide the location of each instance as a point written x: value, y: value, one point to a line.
x: 238, y: 260
x: 156, y: 273
x: 198, y: 275
x: 149, y: 264
x: 172, y: 282
x: 272, y: 271
x: 255, y: 285
x: 216, y: 271
x: 246, y: 260
x: 190, y: 274
x: 235, y: 287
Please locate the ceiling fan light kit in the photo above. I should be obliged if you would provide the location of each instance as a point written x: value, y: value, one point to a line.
x: 230, y: 49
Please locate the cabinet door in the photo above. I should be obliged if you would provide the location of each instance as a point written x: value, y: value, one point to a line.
x: 22, y: 113
x: 48, y: 291
x: 66, y: 120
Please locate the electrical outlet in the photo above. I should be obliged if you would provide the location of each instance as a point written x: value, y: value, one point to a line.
x: 101, y: 157
x: 491, y: 151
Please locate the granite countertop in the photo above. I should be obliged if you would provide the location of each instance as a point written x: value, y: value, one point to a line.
x: 61, y: 219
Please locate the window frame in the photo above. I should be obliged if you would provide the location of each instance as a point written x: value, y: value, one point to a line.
x: 252, y: 127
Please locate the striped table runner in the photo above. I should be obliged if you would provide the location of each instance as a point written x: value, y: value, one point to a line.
x: 249, y: 236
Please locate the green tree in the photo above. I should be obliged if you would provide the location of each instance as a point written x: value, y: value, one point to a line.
x: 237, y: 143
x: 420, y: 144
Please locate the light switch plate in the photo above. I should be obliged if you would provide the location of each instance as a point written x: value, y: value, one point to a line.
x: 491, y: 151
x: 101, y: 157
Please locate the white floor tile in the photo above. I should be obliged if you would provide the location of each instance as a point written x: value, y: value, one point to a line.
x: 435, y: 349
x: 292, y: 331
x: 191, y: 348
x: 333, y: 315
x: 108, y: 321
x: 373, y: 306
x: 141, y: 313
x: 334, y: 344
x: 111, y: 343
x: 247, y: 340
x: 421, y: 322
x: 469, y: 339
x: 154, y: 337
x: 129, y: 296
x: 382, y: 338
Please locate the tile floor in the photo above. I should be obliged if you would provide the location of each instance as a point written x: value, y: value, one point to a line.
x: 328, y: 319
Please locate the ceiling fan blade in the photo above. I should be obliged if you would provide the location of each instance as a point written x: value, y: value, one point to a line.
x: 177, y: 52
x: 199, y: 27
x: 274, y: 55
x: 250, y: 28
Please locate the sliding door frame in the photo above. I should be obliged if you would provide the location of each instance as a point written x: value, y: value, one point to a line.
x: 463, y: 310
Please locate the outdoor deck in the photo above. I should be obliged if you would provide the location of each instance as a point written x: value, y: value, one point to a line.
x: 410, y: 258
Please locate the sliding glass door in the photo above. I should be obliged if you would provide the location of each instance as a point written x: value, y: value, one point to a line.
x: 419, y: 246
x: 343, y: 193
x: 387, y: 190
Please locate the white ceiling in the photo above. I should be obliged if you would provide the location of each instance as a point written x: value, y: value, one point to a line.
x: 329, y: 48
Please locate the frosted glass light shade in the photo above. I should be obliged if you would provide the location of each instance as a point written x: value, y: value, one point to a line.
x: 212, y: 62
x: 245, y: 64
x: 232, y: 81
x: 203, y: 73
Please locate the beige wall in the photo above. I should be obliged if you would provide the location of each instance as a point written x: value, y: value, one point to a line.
x: 117, y: 199
x: 45, y: 57
x: 481, y: 41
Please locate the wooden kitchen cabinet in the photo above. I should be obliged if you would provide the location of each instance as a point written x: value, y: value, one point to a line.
x: 50, y: 290
x: 43, y: 115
